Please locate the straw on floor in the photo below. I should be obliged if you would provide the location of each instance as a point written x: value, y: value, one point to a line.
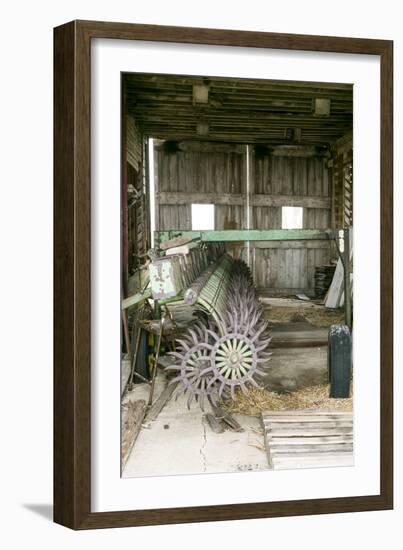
x: 258, y: 400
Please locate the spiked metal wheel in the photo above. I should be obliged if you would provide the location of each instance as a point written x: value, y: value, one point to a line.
x: 234, y: 363
x: 192, y: 360
x: 215, y: 357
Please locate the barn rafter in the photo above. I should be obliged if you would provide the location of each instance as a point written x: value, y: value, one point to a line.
x: 239, y: 110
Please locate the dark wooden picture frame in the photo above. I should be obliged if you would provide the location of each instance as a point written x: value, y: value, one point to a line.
x: 72, y: 270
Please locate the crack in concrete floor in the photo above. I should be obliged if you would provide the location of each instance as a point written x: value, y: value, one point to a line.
x: 203, y: 421
x: 184, y: 448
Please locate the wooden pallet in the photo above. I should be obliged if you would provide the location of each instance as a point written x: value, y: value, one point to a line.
x: 307, y: 439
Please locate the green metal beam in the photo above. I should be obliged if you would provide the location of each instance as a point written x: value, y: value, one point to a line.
x: 246, y: 235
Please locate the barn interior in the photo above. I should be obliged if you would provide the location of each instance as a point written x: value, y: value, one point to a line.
x: 223, y: 176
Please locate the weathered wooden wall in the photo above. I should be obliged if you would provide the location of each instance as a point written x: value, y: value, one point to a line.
x: 134, y: 139
x: 220, y: 178
x: 341, y: 170
x: 209, y: 173
x: 301, y: 181
x: 137, y: 197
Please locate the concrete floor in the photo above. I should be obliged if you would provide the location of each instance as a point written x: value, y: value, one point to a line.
x: 180, y: 441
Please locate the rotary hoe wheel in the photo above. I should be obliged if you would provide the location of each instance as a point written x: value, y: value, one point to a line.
x: 235, y: 359
x: 216, y: 357
x: 192, y: 364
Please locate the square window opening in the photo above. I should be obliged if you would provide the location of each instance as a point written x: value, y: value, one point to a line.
x: 202, y: 217
x: 291, y: 217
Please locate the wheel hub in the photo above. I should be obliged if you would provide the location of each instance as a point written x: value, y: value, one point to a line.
x: 234, y: 358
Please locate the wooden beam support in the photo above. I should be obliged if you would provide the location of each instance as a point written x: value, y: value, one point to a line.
x: 210, y: 147
x: 228, y: 199
x: 136, y: 298
x: 229, y: 135
x: 343, y: 144
x: 299, y: 150
x: 238, y: 83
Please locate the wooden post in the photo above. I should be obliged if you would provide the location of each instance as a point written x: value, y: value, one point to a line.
x: 126, y: 333
x: 147, y: 211
x: 250, y: 191
x: 124, y: 209
x: 347, y: 282
x: 157, y: 355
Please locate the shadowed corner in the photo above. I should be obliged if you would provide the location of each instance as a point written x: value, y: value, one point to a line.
x: 44, y: 510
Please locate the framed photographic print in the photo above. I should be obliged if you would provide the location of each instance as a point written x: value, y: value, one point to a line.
x: 223, y: 275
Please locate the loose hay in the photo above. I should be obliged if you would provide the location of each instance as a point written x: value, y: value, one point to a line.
x: 258, y: 400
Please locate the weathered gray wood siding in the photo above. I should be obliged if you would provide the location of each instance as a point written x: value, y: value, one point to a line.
x: 341, y: 170
x: 138, y: 225
x: 289, y: 265
x: 199, y: 172
x: 134, y: 141
x: 276, y: 265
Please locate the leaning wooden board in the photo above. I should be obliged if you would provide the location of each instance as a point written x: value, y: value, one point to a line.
x: 307, y: 439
